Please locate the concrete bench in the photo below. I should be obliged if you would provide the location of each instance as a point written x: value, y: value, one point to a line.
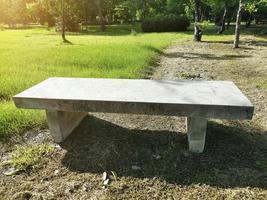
x: 68, y: 100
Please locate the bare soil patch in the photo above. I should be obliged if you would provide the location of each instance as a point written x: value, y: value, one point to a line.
x: 149, y: 153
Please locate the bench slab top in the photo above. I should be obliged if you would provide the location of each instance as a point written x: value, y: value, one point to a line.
x: 221, y: 93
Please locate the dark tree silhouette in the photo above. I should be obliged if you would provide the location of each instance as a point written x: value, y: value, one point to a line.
x: 100, y: 14
x: 222, y: 29
x: 63, y: 21
x: 197, y: 29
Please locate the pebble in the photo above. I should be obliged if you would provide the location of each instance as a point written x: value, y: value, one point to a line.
x: 105, y: 176
x: 56, y: 172
x: 106, y: 182
x: 57, y: 146
x: 11, y: 171
x: 136, y: 168
x: 86, y: 187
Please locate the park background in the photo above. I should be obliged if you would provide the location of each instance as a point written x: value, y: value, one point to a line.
x: 133, y: 39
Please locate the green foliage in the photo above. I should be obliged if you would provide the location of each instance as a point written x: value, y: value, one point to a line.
x: 24, y: 157
x: 175, y: 7
x: 86, y: 12
x: 255, y: 9
x: 205, y: 24
x: 14, y: 12
x: 262, y: 85
x: 122, y: 14
x: 261, y: 13
x: 168, y: 23
x: 43, y: 11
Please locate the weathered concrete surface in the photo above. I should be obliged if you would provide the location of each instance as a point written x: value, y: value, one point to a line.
x: 61, y: 123
x: 206, y: 99
x: 67, y: 101
x: 196, y: 133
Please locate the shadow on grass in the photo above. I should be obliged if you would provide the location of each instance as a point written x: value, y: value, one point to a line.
x: 111, y: 30
x: 250, y: 42
x: 232, y: 157
x: 202, y: 56
x: 126, y: 29
x: 67, y: 42
x: 213, y: 30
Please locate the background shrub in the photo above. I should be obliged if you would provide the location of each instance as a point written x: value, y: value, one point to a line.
x: 167, y: 23
x: 72, y: 24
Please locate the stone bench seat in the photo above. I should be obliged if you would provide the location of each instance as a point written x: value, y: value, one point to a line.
x: 68, y: 100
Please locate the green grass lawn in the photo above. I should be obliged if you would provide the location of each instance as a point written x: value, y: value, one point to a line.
x: 233, y: 165
x: 28, y: 56
x: 31, y: 55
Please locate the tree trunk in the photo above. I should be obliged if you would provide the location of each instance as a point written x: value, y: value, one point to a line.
x: 228, y: 23
x: 249, y: 20
x: 100, y: 14
x: 223, y: 21
x: 63, y: 21
x: 238, y: 22
x: 86, y: 15
x: 197, y: 30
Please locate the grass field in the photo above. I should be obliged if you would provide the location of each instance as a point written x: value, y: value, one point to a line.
x: 28, y: 56
x: 233, y: 165
x: 32, y: 55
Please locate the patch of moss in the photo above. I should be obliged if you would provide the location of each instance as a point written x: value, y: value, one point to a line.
x: 262, y: 85
x: 185, y: 75
x: 28, y: 156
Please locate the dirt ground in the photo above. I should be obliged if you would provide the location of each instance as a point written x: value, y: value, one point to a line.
x: 149, y: 153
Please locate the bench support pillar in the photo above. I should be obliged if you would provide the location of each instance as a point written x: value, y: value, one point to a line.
x: 196, y: 132
x: 62, y: 123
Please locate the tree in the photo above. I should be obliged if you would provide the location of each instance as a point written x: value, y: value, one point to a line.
x: 43, y: 11
x: 221, y: 12
x: 63, y: 21
x: 250, y: 9
x: 228, y: 5
x: 261, y: 13
x: 253, y: 9
x: 100, y: 14
x: 3, y: 14
x: 222, y: 29
x: 238, y: 22
x: 197, y: 30
x: 14, y: 12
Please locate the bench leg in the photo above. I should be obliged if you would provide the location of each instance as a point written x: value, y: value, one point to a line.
x: 196, y: 132
x: 61, y: 123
